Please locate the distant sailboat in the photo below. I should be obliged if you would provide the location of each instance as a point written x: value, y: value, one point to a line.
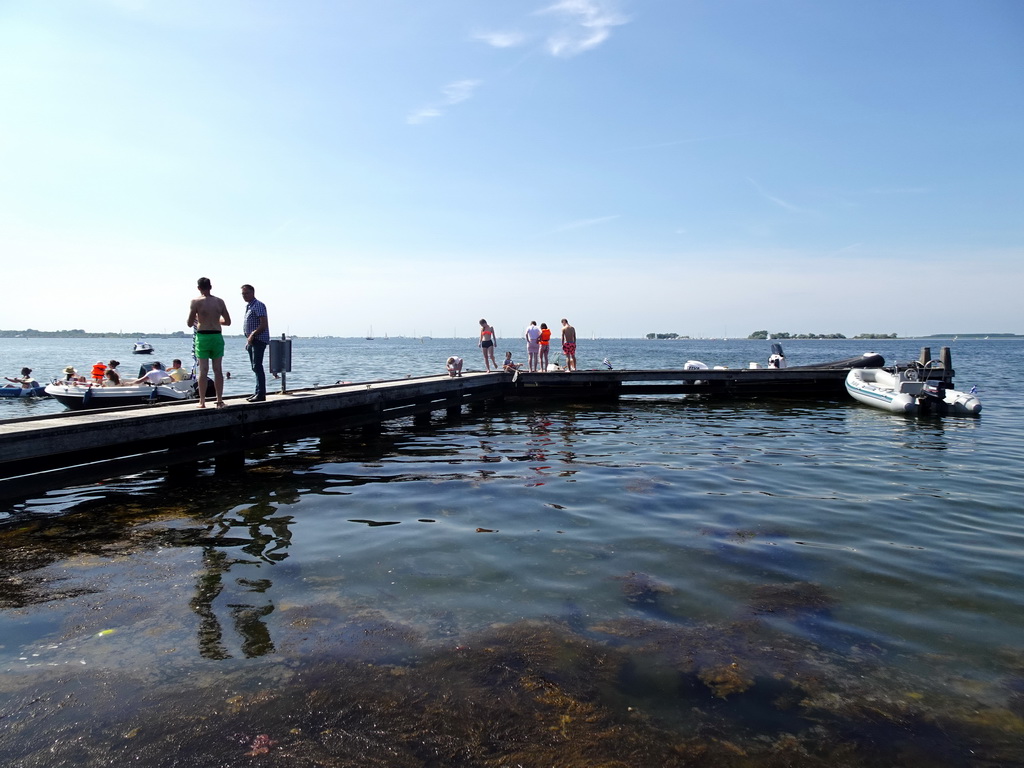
x: 369, y: 336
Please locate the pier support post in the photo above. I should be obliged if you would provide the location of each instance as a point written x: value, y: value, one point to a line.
x: 421, y: 419
x: 946, y: 357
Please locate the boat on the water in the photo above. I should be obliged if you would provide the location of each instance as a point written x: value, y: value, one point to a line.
x: 142, y: 348
x: 37, y: 391
x: 79, y: 396
x: 866, y: 360
x: 910, y: 390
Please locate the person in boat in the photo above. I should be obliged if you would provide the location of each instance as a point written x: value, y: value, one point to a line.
x: 454, y: 365
x: 176, y: 372
x: 98, y: 371
x: 488, y: 338
x: 156, y: 375
x: 112, y: 366
x: 71, y: 376
x: 207, y: 314
x: 545, y: 346
x: 25, y: 381
x: 113, y: 378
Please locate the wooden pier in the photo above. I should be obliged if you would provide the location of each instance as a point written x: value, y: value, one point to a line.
x: 60, y: 450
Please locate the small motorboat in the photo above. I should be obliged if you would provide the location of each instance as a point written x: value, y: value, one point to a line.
x: 142, y: 348
x: 37, y: 391
x: 909, y: 390
x: 79, y: 396
x: 777, y: 360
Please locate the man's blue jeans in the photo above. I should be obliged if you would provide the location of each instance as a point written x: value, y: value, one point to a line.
x: 256, y: 351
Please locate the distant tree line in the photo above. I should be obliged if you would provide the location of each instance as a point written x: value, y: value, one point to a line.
x: 666, y: 336
x: 784, y: 335
x: 78, y: 333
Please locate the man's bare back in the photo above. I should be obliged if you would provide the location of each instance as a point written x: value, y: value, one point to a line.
x: 208, y: 313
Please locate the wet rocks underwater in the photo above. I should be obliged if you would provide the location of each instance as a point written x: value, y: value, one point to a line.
x: 363, y: 690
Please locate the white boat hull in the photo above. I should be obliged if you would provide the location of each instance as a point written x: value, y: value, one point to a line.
x: 84, y: 396
x: 899, y: 393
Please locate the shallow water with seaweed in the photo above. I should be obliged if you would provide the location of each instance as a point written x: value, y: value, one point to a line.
x: 660, y: 580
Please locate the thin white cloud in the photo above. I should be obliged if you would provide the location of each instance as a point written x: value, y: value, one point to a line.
x: 453, y: 93
x: 568, y: 28
x: 501, y: 39
x: 422, y: 115
x: 777, y: 200
x: 459, y: 91
x: 587, y: 24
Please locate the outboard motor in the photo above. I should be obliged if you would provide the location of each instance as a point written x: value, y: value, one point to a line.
x: 934, y: 388
x: 777, y: 359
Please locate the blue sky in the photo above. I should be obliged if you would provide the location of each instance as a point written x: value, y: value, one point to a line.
x: 704, y: 167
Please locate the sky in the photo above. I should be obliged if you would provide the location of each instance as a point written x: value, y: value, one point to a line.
x: 700, y: 167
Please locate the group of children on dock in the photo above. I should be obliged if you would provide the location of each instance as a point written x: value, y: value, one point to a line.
x: 538, y: 344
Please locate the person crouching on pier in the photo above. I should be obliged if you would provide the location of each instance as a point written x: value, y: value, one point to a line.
x: 454, y: 365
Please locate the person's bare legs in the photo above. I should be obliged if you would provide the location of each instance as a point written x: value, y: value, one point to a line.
x: 218, y: 381
x: 204, y: 366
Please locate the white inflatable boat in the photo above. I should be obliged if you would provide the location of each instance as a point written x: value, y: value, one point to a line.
x: 80, y: 396
x: 908, y: 390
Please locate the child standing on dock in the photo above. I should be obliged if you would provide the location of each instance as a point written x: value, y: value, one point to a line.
x: 488, y: 339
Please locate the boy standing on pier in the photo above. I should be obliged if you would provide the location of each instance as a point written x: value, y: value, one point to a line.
x: 207, y: 314
x: 569, y: 345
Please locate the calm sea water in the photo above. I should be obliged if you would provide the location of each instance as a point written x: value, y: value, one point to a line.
x: 815, y: 579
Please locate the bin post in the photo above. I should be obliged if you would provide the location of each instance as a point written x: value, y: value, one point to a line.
x: 281, y: 359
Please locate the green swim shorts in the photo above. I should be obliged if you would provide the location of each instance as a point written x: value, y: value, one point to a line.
x: 209, y: 346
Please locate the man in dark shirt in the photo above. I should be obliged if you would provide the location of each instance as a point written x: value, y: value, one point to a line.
x: 257, y: 336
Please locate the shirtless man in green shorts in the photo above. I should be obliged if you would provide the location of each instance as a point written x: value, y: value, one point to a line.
x: 207, y: 314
